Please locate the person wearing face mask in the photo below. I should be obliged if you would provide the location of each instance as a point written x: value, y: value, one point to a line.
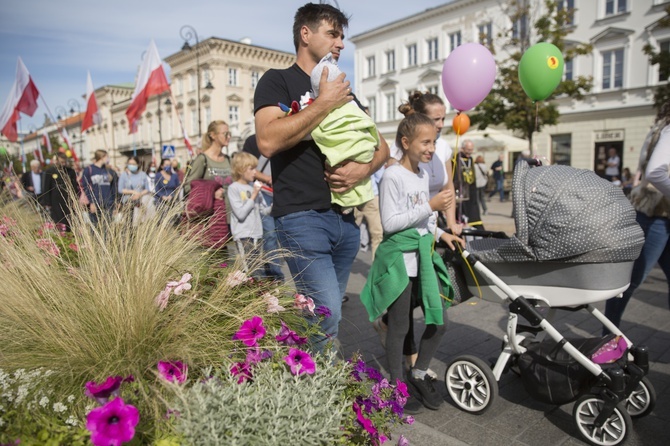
x: 133, y: 185
x: 166, y: 183
x: 100, y: 184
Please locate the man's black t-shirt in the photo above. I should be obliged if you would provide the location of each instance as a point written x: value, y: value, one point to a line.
x: 297, y: 173
x: 497, y: 174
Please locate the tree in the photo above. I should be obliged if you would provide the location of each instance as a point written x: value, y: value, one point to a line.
x: 507, y: 103
x: 662, y: 58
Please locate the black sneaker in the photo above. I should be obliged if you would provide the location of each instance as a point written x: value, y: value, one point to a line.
x: 425, y: 391
x: 413, y: 406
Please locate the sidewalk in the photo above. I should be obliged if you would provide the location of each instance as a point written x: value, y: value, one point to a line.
x: 476, y: 328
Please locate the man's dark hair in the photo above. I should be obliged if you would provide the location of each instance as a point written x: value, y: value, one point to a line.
x: 312, y: 14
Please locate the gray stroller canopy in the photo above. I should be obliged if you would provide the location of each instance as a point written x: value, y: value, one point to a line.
x: 563, y: 214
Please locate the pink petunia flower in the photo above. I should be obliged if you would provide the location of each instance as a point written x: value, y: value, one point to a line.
x: 180, y: 286
x: 304, y: 303
x: 300, y: 362
x: 289, y: 337
x: 112, y: 424
x: 173, y: 371
x: 402, y: 441
x: 273, y: 303
x: 250, y: 331
x: 243, y: 372
x: 256, y: 355
x: 103, y: 391
x: 409, y: 419
x: 48, y: 226
x: 162, y: 299
x: 236, y: 278
x: 364, y: 422
x: 47, y: 245
x: 74, y: 247
x: 4, y: 230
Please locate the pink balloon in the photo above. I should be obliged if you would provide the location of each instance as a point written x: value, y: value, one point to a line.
x: 468, y: 75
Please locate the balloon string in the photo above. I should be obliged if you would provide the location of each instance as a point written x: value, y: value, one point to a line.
x: 537, y: 112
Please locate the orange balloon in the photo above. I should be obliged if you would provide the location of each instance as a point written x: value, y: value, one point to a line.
x: 461, y: 123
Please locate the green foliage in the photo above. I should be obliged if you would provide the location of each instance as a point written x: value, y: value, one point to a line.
x: 508, y: 104
x: 277, y: 408
x: 662, y: 58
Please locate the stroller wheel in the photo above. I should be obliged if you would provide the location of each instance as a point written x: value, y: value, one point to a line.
x: 612, y: 433
x: 471, y: 384
x: 641, y: 400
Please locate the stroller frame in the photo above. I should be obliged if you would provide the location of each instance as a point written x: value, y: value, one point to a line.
x: 603, y: 414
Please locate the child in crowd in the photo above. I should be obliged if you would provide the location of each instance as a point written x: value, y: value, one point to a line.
x: 346, y: 134
x: 409, y: 220
x: 246, y: 205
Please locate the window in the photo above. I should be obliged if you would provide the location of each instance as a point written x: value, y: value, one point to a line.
x: 370, y: 62
x: 194, y: 121
x: 372, y: 108
x: 191, y: 81
x: 390, y: 106
x: 664, y: 47
x: 433, y: 89
x: 454, y: 40
x: 486, y: 33
x: 232, y: 76
x: 431, y: 46
x: 180, y: 85
x: 390, y: 61
x: 234, y: 113
x: 612, y: 69
x: 561, y: 149
x: 520, y: 28
x: 255, y: 75
x: 208, y: 115
x: 615, y: 6
x: 569, y: 7
x: 567, y: 71
x: 411, y: 55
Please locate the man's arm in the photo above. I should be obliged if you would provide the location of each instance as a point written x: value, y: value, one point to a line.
x: 347, y: 175
x: 276, y: 132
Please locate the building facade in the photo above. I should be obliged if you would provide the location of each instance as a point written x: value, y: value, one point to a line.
x: 213, y: 80
x: 406, y: 55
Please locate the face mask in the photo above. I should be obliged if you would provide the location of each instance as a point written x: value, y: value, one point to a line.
x: 153, y: 169
x: 133, y: 168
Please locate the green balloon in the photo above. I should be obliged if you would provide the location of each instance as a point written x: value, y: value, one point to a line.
x: 540, y: 70
x: 3, y: 151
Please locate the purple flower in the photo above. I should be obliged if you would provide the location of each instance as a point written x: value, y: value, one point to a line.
x: 112, y: 424
x: 374, y: 374
x: 250, y: 331
x: 359, y: 369
x: 402, y: 441
x: 173, y: 371
x: 289, y: 337
x: 409, y: 419
x: 401, y: 389
x: 323, y: 311
x: 243, y: 372
x: 256, y: 355
x: 101, y: 392
x: 366, y: 423
x: 300, y: 362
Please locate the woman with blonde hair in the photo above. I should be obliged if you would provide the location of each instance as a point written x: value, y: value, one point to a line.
x: 213, y: 164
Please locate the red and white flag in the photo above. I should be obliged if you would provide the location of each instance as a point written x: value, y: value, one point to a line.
x: 189, y: 147
x: 22, y: 98
x: 38, y: 151
x: 151, y: 81
x: 46, y: 142
x: 92, y: 115
x: 68, y: 143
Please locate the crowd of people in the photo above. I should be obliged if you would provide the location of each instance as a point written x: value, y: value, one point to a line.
x: 291, y: 188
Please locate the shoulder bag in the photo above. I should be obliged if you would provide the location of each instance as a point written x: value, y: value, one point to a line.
x: 645, y: 197
x: 200, y: 199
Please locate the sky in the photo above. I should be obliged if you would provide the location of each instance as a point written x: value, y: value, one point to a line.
x: 59, y: 40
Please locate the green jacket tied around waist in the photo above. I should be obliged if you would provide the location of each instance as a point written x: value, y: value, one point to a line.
x: 388, y: 276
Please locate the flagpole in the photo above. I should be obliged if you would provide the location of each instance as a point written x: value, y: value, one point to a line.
x: 23, y: 151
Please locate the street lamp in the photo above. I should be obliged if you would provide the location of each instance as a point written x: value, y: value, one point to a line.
x: 188, y: 33
x: 61, y: 112
x: 74, y: 104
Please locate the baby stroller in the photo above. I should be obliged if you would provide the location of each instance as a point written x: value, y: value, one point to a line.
x: 575, y: 244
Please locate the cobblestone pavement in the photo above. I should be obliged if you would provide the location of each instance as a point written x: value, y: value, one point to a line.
x: 476, y: 328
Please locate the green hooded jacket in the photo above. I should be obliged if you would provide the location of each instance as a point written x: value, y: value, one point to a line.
x: 388, y: 277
